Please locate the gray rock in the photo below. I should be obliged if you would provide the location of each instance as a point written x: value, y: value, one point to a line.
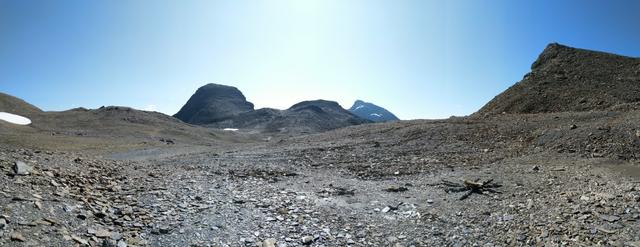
x: 270, y: 242
x: 21, y: 168
x: 121, y: 243
x: 609, y: 218
x: 307, y: 240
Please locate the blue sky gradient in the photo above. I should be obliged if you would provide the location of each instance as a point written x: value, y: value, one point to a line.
x: 418, y: 59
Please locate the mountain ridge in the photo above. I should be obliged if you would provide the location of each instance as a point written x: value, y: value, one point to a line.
x: 564, y: 79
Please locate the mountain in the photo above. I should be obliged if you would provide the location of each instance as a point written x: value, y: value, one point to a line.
x: 212, y: 103
x: 220, y: 106
x: 371, y: 112
x: 565, y: 79
x: 304, y: 117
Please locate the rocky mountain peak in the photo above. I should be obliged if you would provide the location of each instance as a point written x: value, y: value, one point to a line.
x: 213, y: 102
x: 371, y: 112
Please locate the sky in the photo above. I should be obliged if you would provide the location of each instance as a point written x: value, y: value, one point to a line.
x: 419, y: 59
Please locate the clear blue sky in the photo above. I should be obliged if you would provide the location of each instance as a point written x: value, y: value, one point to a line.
x: 419, y: 59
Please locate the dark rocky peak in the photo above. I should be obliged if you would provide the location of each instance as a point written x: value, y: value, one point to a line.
x: 213, y: 102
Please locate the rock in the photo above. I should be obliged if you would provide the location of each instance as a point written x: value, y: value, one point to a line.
x: 16, y: 236
x: 307, y: 240
x: 396, y: 189
x: 609, y: 218
x: 3, y: 223
x: 79, y: 240
x: 102, y: 233
x: 535, y: 168
x: 121, y: 243
x: 164, y: 230
x: 386, y: 209
x: 21, y: 168
x: 116, y: 236
x: 108, y: 243
x: 270, y: 242
x: 573, y: 126
x: 633, y: 244
x: 81, y: 216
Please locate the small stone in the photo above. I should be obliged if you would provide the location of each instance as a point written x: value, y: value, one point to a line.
x: 573, y: 126
x: 103, y: 233
x: 307, y: 240
x: 79, y: 240
x: 164, y: 230
x: 3, y: 223
x: 269, y: 242
x: 16, y: 236
x: 609, y: 218
x: 21, y: 168
x: 535, y: 168
x: 386, y: 209
x: 633, y: 244
x: 108, y: 243
x: 396, y: 189
x: 429, y: 201
x: 507, y: 217
x: 121, y: 243
x: 116, y: 236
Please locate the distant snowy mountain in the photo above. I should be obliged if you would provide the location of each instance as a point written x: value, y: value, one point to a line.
x: 371, y: 112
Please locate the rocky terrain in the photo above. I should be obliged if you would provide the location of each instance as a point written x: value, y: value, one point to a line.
x: 552, y: 178
x: 371, y: 112
x: 570, y: 79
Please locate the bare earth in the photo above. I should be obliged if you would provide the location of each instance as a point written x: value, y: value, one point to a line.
x: 563, y: 179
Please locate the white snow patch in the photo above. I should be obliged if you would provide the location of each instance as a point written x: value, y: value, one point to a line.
x: 360, y: 106
x: 230, y: 129
x: 376, y: 115
x: 14, y: 119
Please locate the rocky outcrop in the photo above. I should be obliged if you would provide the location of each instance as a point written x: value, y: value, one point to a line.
x: 213, y: 103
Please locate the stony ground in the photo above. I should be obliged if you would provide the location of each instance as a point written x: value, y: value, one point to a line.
x: 383, y: 185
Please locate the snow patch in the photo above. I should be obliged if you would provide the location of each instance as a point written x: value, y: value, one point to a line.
x: 230, y: 129
x: 14, y: 119
x: 375, y: 115
x: 360, y: 106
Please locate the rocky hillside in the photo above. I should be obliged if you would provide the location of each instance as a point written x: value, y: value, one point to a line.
x: 14, y: 105
x: 569, y: 79
x: 112, y: 126
x: 371, y: 112
x: 212, y: 103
